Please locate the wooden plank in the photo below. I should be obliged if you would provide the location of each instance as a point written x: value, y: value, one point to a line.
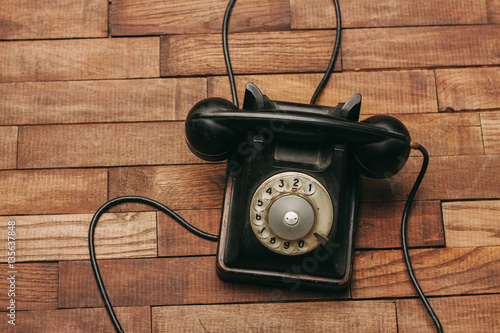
x: 452, y: 271
x: 177, y: 186
x: 320, y: 14
x: 253, y: 52
x: 45, y: 19
x: 153, y: 17
x: 456, y: 314
x: 490, y: 122
x: 132, y: 319
x: 472, y: 223
x: 468, y: 88
x: 36, y: 286
x: 455, y: 134
x: 447, y: 178
x: 175, y: 240
x: 379, y: 226
x: 364, y: 316
x: 99, y: 101
x: 65, y: 237
x: 402, y: 91
x: 134, y: 144
x: 420, y: 47
x: 164, y: 281
x: 445, y: 271
x: 59, y: 146
x: 493, y: 7
x: 79, y: 59
x: 52, y: 191
x: 8, y: 147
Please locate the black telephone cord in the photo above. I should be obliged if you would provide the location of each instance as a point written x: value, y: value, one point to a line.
x: 93, y: 260
x: 324, y: 80
x: 214, y: 238
x: 404, y: 223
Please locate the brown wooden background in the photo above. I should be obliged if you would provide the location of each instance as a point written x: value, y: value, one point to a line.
x: 92, y: 100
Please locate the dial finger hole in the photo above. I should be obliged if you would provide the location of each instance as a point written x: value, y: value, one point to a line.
x: 309, y: 188
x: 280, y: 185
x: 295, y: 183
x: 264, y: 232
x: 274, y: 242
x: 302, y: 245
x: 268, y: 193
x: 258, y: 219
x: 260, y: 205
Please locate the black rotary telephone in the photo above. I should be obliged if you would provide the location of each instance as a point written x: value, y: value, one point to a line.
x: 291, y: 186
x: 291, y: 190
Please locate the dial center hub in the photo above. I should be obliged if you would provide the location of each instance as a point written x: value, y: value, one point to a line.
x: 291, y: 218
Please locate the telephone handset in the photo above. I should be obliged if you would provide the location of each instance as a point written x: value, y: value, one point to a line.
x: 290, y: 200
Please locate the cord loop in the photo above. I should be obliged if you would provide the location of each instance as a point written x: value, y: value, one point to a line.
x: 328, y: 71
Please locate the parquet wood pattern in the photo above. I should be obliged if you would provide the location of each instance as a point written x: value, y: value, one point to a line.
x: 93, y: 98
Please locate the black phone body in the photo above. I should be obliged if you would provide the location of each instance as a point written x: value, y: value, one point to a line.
x: 289, y: 207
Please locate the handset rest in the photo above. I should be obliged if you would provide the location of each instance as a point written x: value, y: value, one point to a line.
x: 214, y: 127
x: 293, y: 125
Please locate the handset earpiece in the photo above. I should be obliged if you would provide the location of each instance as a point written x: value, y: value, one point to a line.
x: 207, y: 138
x: 383, y: 158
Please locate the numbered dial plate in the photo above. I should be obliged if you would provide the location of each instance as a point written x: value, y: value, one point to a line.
x: 291, y: 213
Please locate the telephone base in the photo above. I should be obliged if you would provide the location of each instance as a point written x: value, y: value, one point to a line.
x: 317, y: 270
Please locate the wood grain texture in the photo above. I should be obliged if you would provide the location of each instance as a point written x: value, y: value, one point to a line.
x: 79, y: 59
x: 192, y: 280
x: 493, y: 7
x: 320, y: 14
x: 132, y: 319
x: 472, y: 223
x: 455, y: 134
x: 447, y: 178
x: 411, y: 47
x: 447, y: 271
x: 8, y: 147
x: 124, y: 144
x: 365, y: 316
x: 94, y: 93
x: 175, y: 240
x: 457, y: 314
x: 36, y: 287
x: 99, y: 101
x: 60, y: 146
x: 252, y: 52
x: 52, y: 191
x: 177, y: 186
x: 490, y: 123
x: 379, y: 225
x: 42, y: 19
x: 164, y: 281
x: 153, y: 17
x: 65, y: 237
x: 468, y: 88
x: 393, y: 91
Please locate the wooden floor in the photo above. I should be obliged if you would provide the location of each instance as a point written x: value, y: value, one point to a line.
x: 92, y: 101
